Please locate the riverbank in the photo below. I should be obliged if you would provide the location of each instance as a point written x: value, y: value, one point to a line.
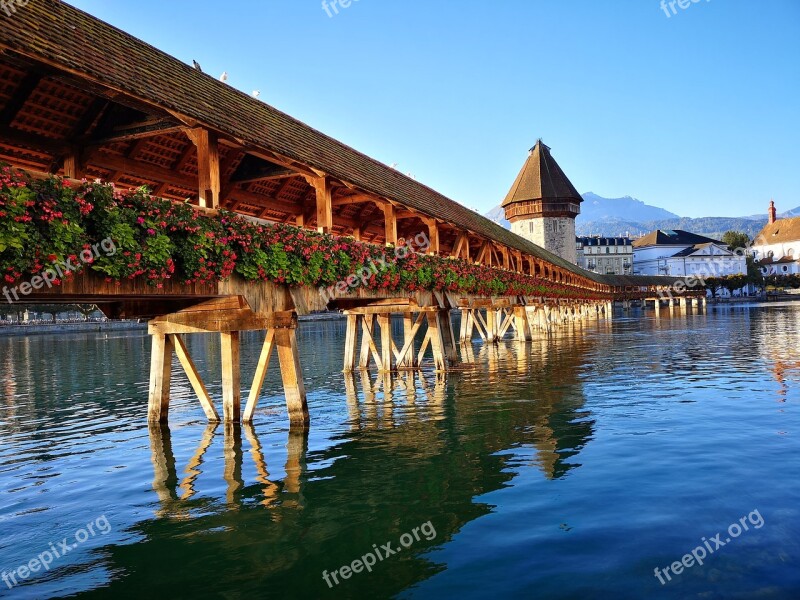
x: 88, y: 327
x: 108, y: 326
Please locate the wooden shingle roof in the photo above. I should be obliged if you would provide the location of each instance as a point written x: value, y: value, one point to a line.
x: 541, y: 179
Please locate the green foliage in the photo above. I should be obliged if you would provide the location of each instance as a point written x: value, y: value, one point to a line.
x: 43, y: 221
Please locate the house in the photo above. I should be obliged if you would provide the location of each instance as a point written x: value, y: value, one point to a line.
x: 776, y: 248
x: 681, y: 253
x: 605, y: 255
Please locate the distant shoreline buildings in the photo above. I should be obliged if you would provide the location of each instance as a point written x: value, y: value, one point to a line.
x: 681, y: 253
x: 776, y: 249
x: 605, y: 255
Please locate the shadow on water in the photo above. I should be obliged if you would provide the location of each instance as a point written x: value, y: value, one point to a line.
x: 412, y: 449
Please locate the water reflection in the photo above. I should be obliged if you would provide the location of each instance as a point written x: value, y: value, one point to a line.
x: 174, y: 493
x: 775, y: 339
x: 412, y: 448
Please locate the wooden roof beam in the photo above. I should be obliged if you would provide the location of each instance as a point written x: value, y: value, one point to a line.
x: 135, y: 131
x: 20, y: 96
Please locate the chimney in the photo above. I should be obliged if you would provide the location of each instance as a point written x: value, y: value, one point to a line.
x: 773, y: 214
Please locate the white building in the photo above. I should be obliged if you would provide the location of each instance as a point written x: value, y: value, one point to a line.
x: 680, y: 254
x: 776, y: 248
x: 605, y: 255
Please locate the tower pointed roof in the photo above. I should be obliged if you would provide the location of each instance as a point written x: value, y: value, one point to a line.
x: 541, y: 179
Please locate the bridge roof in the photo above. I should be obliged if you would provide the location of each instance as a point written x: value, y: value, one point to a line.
x: 78, y: 45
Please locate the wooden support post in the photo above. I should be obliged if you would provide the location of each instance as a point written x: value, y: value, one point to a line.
x: 368, y: 325
x: 292, y: 376
x: 433, y: 236
x: 160, y: 374
x: 351, y: 339
x: 387, y: 360
x: 72, y: 166
x: 208, y: 172
x: 322, y: 186
x: 436, y: 341
x: 260, y: 375
x: 521, y: 324
x: 491, y: 325
x: 448, y: 338
x: 390, y: 221
x: 465, y: 334
x: 194, y: 378
x: 408, y: 361
x: 231, y: 376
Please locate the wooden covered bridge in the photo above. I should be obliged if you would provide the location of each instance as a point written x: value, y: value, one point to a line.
x: 86, y: 101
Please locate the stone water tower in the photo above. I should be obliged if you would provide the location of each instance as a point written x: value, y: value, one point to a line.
x: 542, y: 205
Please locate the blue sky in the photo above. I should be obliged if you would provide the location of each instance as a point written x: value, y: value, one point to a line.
x: 698, y: 113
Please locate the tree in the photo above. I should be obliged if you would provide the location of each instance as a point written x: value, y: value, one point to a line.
x: 713, y: 284
x: 736, y: 239
x: 85, y: 309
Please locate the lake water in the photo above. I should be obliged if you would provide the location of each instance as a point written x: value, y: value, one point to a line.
x: 570, y: 467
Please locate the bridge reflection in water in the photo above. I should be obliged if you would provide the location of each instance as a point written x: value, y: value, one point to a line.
x: 427, y: 443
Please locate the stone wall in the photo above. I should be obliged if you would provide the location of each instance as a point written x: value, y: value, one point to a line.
x: 556, y: 234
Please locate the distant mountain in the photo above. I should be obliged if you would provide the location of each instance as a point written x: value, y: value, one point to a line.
x: 498, y: 215
x: 632, y: 217
x: 597, y: 208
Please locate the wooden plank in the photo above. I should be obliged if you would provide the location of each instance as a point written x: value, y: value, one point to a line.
x: 218, y: 321
x: 292, y: 376
x: 194, y: 378
x: 160, y: 375
x: 231, y: 377
x: 260, y: 375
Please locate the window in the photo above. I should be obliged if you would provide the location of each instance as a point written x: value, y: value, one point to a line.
x: 608, y: 250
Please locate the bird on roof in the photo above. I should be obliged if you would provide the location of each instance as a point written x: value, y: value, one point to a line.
x: 197, y: 65
x: 224, y: 76
x: 256, y: 93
